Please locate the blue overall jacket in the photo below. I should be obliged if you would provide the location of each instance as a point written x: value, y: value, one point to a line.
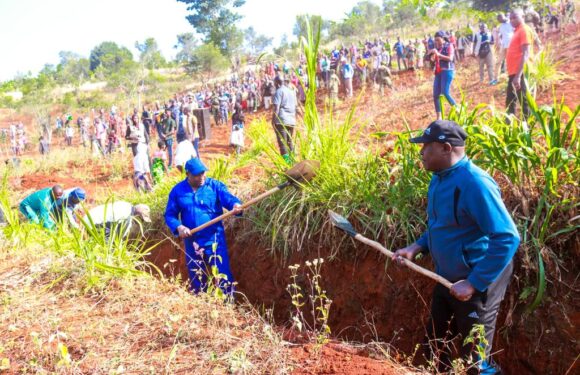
x: 192, y: 209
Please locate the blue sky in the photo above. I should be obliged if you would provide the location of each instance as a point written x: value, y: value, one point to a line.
x: 33, y: 32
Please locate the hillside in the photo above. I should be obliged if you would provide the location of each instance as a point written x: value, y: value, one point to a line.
x: 54, y: 320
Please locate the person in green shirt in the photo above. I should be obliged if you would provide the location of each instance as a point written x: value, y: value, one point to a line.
x: 168, y: 129
x: 388, y: 49
x: 384, y: 77
x: 37, y: 206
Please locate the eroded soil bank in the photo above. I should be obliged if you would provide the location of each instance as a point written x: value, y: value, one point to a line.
x: 375, y: 300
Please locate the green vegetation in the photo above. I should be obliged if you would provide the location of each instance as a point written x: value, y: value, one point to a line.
x: 542, y: 71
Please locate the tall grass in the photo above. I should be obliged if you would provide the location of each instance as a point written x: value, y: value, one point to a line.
x: 537, y: 161
x: 377, y: 192
x: 542, y: 71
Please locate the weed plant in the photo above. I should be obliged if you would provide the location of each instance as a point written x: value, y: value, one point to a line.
x: 542, y: 71
x: 319, y: 302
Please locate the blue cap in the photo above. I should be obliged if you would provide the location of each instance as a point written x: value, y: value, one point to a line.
x: 77, y: 194
x: 195, y: 166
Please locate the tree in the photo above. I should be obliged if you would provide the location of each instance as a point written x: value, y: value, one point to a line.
x: 488, y: 5
x: 66, y: 56
x: 256, y: 43
x: 109, y: 56
x: 73, y: 69
x: 127, y: 77
x: 216, y: 20
x: 372, y: 14
x: 352, y: 25
x: 186, y: 43
x: 207, y: 62
x: 150, y: 56
x: 283, y: 47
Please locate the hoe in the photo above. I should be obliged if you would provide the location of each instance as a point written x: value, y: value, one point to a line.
x: 343, y: 224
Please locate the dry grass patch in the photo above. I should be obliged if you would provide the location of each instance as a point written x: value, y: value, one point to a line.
x: 134, y: 325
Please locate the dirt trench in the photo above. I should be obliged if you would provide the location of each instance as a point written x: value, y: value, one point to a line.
x: 374, y: 300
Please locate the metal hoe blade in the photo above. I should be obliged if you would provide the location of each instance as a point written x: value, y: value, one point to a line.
x: 341, y: 223
x: 303, y: 171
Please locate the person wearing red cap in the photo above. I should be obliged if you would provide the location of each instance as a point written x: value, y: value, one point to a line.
x: 472, y: 240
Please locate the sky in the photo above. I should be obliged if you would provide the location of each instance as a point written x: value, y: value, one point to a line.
x: 33, y: 32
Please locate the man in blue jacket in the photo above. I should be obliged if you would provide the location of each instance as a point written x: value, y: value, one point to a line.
x: 472, y: 240
x: 193, y: 202
x: 399, y: 50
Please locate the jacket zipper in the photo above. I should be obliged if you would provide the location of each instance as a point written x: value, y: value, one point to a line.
x: 434, y: 216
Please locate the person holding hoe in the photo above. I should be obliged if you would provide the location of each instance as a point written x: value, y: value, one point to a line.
x: 193, y: 202
x: 471, y: 239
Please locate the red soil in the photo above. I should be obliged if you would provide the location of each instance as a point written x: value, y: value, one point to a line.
x: 334, y: 358
x: 376, y: 301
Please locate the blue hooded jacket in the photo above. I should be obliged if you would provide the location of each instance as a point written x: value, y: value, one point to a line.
x: 470, y: 234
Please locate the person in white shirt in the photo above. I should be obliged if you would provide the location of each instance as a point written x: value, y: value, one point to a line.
x: 115, y: 217
x: 68, y: 134
x: 142, y: 176
x: 184, y: 152
x: 136, y: 134
x: 505, y: 31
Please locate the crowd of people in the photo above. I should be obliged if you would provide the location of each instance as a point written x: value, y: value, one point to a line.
x: 340, y: 71
x: 15, y: 138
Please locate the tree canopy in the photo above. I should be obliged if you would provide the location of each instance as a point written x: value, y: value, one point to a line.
x: 109, y: 56
x: 216, y: 21
x: 150, y: 55
x: 186, y: 44
x: 207, y: 61
x: 256, y: 43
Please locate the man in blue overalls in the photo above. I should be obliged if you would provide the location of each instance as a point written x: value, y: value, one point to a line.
x: 193, y: 202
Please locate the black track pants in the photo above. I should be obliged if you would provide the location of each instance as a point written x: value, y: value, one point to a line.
x: 451, y: 317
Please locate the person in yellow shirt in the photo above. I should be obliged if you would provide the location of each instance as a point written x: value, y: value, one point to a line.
x: 361, y: 70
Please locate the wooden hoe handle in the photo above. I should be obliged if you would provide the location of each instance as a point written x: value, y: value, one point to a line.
x: 243, y: 207
x: 415, y: 267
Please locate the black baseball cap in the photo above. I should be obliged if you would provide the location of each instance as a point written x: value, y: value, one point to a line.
x: 442, y: 131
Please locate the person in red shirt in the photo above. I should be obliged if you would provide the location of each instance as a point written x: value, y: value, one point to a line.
x: 516, y: 56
